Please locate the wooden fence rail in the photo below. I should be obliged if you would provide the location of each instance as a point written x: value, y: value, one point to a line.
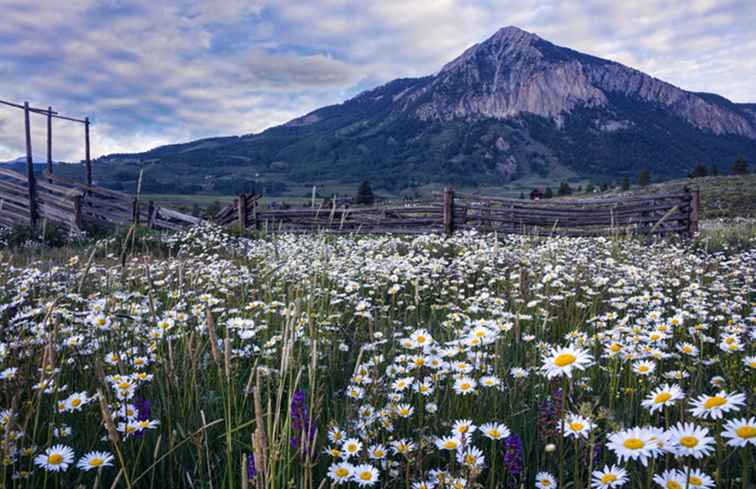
x: 661, y: 214
x: 72, y: 204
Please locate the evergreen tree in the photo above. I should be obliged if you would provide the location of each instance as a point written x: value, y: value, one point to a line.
x: 625, y: 183
x: 644, y: 178
x: 604, y: 187
x: 714, y: 171
x: 589, y: 188
x: 699, y: 171
x: 522, y: 195
x: 548, y: 193
x: 564, y: 189
x: 364, y: 194
x: 740, y: 167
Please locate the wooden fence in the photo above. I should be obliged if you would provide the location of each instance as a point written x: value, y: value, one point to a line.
x: 662, y: 214
x: 71, y: 204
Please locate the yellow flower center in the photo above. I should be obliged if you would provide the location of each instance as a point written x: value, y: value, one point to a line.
x: 689, y: 441
x: 75, y: 402
x: 545, y: 482
x: 342, y: 472
x: 615, y: 347
x: 564, y: 359
x: 607, y: 478
x: 96, y: 462
x: 746, y: 432
x: 576, y: 426
x: 469, y: 459
x: 662, y: 397
x: 673, y: 485
x: 366, y: 476
x: 714, y: 402
x: 634, y: 444
x: 464, y: 386
x: 124, y: 385
x: 695, y: 481
x: 494, y: 433
x: 643, y: 368
x: 450, y: 445
x: 55, y: 459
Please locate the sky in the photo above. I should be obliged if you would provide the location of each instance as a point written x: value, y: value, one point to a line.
x: 153, y: 72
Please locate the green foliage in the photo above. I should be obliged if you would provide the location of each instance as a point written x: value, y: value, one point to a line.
x: 699, y: 171
x: 589, y: 188
x: 364, y: 194
x: 564, y: 189
x: 644, y: 178
x: 740, y: 167
x: 48, y: 234
x: 548, y: 194
x: 625, y: 183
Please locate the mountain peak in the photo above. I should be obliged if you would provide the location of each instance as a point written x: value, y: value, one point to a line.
x: 511, y: 34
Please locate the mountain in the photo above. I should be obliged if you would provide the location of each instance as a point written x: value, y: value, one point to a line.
x: 511, y: 107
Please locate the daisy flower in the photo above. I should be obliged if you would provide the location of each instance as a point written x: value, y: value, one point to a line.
x: 670, y: 479
x: 494, y: 431
x: 714, y: 406
x: 644, y: 367
x: 750, y: 361
x: 697, y: 479
x: 95, y: 460
x: 578, y: 426
x: 404, y: 410
x: 365, y: 475
x: 55, y: 459
x: 465, y: 385
x: 340, y: 473
x: 740, y: 432
x: 463, y: 427
x: 562, y: 361
x: 544, y: 480
x: 471, y: 457
x: 351, y: 447
x: 633, y: 444
x: 666, y: 395
x: 377, y: 452
x: 609, y: 477
x: 448, y: 443
x: 689, y: 440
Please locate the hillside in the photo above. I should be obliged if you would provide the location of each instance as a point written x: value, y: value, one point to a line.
x: 512, y: 108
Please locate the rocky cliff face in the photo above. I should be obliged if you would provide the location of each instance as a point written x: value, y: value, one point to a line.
x: 516, y: 72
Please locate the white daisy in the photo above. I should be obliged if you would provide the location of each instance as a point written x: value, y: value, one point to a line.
x: 562, y: 361
x: 95, y: 460
x: 609, y: 477
x: 633, y: 444
x: 55, y: 459
x: 740, y: 432
x: 689, y: 440
x: 666, y: 395
x: 715, y: 406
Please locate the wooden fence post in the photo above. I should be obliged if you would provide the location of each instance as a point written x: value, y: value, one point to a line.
x: 77, y: 210
x: 135, y: 211
x: 695, y: 203
x: 30, y: 172
x: 242, y: 211
x: 449, y: 211
x: 49, y: 141
x: 152, y: 211
x: 87, y: 159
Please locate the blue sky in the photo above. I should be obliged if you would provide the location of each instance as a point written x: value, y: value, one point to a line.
x: 156, y: 72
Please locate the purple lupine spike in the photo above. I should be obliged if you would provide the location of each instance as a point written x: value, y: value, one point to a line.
x: 303, y: 428
x: 513, y: 456
x: 142, y: 405
x: 550, y: 415
x: 251, y: 467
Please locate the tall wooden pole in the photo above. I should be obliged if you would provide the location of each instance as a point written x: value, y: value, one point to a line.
x: 87, y: 160
x: 30, y: 172
x: 449, y: 211
x: 49, y: 141
x: 695, y: 204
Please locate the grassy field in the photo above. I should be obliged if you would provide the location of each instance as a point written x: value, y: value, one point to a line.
x: 216, y: 361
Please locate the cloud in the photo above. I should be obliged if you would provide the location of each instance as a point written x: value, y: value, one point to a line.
x: 152, y: 73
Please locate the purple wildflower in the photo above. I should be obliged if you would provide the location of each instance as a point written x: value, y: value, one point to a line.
x: 302, y: 426
x: 251, y: 468
x: 513, y: 456
x: 142, y: 405
x: 550, y: 414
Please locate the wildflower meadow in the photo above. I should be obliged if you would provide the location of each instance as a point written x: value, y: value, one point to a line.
x: 314, y: 361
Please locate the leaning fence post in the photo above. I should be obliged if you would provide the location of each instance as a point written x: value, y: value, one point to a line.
x: 151, y: 214
x: 77, y: 210
x: 695, y: 203
x: 135, y: 211
x: 242, y: 210
x: 448, y: 211
x: 30, y: 172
